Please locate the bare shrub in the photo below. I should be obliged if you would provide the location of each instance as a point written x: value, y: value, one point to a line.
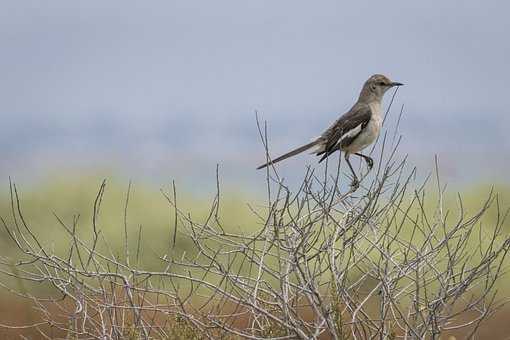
x: 387, y: 261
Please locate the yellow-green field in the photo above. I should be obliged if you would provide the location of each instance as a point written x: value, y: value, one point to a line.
x: 150, y: 219
x: 149, y: 212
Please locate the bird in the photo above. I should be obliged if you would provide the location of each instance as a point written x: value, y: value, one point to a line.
x: 354, y: 130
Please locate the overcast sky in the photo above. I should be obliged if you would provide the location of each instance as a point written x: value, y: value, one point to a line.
x: 161, y: 85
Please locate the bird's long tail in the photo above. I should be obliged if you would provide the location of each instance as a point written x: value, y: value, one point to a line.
x: 291, y: 153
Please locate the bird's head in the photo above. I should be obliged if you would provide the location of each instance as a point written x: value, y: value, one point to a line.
x: 376, y: 86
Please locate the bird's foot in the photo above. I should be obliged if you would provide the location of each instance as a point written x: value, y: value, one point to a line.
x: 354, y: 184
x: 370, y: 163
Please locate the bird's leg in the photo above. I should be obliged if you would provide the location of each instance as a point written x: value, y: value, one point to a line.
x: 355, y: 181
x: 370, y: 161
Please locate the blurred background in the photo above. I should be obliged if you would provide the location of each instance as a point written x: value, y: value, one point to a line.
x: 169, y: 90
x: 166, y: 90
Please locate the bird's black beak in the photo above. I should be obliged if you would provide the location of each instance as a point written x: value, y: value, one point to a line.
x: 396, y: 84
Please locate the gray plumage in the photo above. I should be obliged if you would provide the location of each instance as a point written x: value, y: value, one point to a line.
x: 354, y: 130
x: 290, y: 154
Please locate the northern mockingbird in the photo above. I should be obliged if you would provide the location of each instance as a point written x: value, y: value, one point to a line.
x: 354, y: 130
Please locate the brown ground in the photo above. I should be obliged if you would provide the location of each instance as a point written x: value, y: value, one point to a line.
x: 16, y: 311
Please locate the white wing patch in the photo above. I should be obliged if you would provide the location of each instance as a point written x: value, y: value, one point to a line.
x: 351, y: 133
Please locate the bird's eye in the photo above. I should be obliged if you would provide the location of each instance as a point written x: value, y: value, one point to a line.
x: 381, y: 83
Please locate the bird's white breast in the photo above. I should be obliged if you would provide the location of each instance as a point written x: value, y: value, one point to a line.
x: 376, y: 120
x: 376, y: 108
x: 370, y: 133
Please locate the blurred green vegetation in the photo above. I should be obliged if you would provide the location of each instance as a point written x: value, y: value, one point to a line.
x: 149, y: 212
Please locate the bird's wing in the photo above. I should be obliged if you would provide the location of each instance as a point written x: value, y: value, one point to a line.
x: 348, y: 125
